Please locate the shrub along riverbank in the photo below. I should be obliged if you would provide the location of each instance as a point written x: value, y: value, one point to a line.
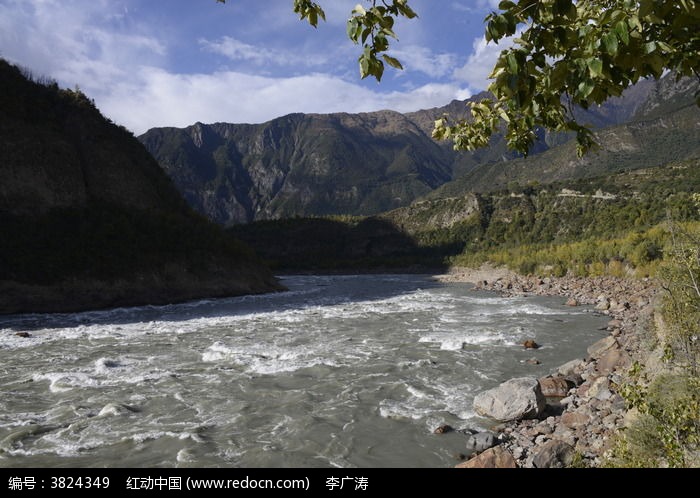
x: 634, y: 400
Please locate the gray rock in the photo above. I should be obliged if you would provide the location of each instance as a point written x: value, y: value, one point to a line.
x: 598, y: 348
x: 566, y: 401
x: 513, y: 400
x: 481, y: 441
x: 610, y: 422
x: 615, y: 306
x: 574, y: 420
x: 617, y: 402
x: 518, y: 452
x: 544, y: 428
x: 603, y: 305
x: 613, y: 359
x: 600, y: 389
x: 565, y: 435
x: 571, y: 367
x: 553, y: 454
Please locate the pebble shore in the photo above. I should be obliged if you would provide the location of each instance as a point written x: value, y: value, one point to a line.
x: 583, y: 408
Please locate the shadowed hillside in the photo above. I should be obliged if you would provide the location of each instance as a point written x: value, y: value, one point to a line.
x: 88, y: 219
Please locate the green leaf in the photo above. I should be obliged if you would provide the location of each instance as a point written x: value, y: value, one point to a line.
x: 506, y: 5
x: 585, y: 88
x: 595, y: 67
x: 392, y: 61
x: 365, y: 34
x: 513, y: 66
x: 354, y: 29
x: 313, y: 18
x: 562, y: 7
x: 364, y: 64
x: 610, y: 44
x: 404, y: 9
x: 622, y: 32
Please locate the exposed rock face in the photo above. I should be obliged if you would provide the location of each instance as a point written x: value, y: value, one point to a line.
x: 574, y: 420
x: 301, y: 165
x: 613, y: 359
x: 513, y: 400
x: 359, y: 164
x: 602, y: 346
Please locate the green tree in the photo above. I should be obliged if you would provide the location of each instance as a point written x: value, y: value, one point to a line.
x: 567, y: 53
x: 575, y: 54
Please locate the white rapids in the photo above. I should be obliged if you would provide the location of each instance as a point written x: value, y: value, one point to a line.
x: 346, y: 371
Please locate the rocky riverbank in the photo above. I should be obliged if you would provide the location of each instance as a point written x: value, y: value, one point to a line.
x: 570, y: 416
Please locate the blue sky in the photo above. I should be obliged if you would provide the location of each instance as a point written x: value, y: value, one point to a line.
x: 149, y: 63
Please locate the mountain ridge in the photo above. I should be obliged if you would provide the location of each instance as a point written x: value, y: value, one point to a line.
x: 330, y: 164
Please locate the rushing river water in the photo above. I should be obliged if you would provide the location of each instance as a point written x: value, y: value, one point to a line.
x: 339, y: 371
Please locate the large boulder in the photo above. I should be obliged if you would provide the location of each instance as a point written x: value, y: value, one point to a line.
x: 494, y: 458
x: 513, y: 400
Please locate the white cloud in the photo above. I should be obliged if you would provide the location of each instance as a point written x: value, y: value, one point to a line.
x: 137, y: 75
x: 481, y: 62
x: 478, y: 5
x: 73, y: 41
x: 424, y: 60
x: 158, y: 98
x: 236, y: 50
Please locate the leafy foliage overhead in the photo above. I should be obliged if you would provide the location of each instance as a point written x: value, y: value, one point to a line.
x: 567, y: 53
x: 575, y: 53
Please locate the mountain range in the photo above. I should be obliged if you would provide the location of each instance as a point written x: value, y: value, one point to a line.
x: 364, y: 164
x: 90, y: 219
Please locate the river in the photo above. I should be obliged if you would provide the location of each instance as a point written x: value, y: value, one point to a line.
x: 340, y: 371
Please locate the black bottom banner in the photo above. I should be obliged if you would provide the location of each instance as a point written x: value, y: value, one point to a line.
x: 134, y: 482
